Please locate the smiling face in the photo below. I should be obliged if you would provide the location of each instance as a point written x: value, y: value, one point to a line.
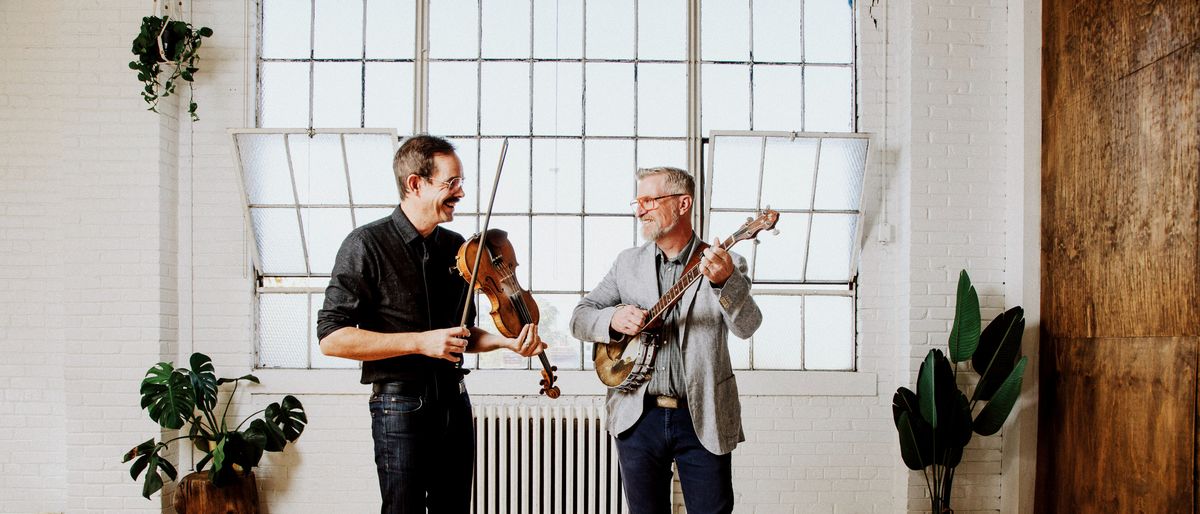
x: 431, y: 201
x: 667, y: 213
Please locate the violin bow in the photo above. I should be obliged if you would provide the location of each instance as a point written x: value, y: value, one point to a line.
x: 487, y: 220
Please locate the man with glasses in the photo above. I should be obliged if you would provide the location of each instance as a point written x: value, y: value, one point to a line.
x: 688, y: 412
x: 394, y: 304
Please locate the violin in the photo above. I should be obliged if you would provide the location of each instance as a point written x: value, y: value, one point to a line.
x: 512, y: 306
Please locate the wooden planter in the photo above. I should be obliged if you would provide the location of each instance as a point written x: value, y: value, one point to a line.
x: 195, y: 494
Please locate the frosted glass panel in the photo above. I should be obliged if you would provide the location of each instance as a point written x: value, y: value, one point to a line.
x: 609, y: 176
x: 265, y: 169
x: 833, y: 237
x: 319, y: 168
x: 338, y: 29
x: 337, y: 94
x: 372, y: 180
x: 662, y: 111
x: 558, y: 99
x: 283, y: 328
x: 788, y: 168
x: 318, y: 359
x: 277, y: 238
x: 840, y: 176
x: 781, y: 256
x: 777, y: 342
x: 555, y: 330
x: 604, y: 238
x: 324, y: 230
x: 829, y: 332
x: 286, y: 85
x: 363, y: 216
x: 285, y: 29
x: 390, y: 29
x: 735, y: 167
x: 724, y: 224
x: 557, y: 175
x: 777, y: 31
x: 557, y: 258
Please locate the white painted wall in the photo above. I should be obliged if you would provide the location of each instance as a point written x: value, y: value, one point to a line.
x: 122, y: 243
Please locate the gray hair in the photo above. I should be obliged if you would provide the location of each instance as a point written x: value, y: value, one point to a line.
x: 415, y: 157
x: 678, y: 181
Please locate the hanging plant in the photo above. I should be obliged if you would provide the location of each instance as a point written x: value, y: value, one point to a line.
x: 172, y: 44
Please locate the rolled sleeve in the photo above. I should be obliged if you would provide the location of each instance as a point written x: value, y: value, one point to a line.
x: 349, y: 291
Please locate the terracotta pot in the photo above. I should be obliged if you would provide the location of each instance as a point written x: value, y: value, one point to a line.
x: 196, y: 494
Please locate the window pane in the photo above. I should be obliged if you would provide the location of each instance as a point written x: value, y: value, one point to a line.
x: 285, y: 84
x: 610, y: 29
x: 464, y: 225
x: 828, y: 99
x: 725, y: 95
x: 736, y: 161
x: 558, y: 99
x: 724, y: 224
x: 839, y: 179
x: 609, y: 176
x: 285, y: 29
x: 453, y: 98
x: 468, y: 152
x: 318, y: 359
x: 324, y: 230
x: 390, y: 29
x: 557, y: 29
x: 283, y: 330
x: 725, y: 30
x: 557, y: 175
x: 828, y: 332
x: 453, y: 29
x: 779, y: 257
x: 830, y: 247
x: 777, y: 342
x: 517, y: 228
x: 505, y: 29
x: 557, y: 260
x: 372, y: 180
x: 554, y: 327
x: 338, y: 27
x: 739, y: 352
x: 828, y: 36
x: 662, y: 29
x: 654, y: 152
x: 512, y: 193
x: 389, y: 91
x: 777, y: 31
x: 372, y: 214
x: 603, y: 238
x: 778, y: 98
x: 609, y: 99
x: 505, y: 98
x: 788, y: 168
x: 319, y: 169
x: 265, y: 169
x: 337, y: 94
x: 662, y: 108
x: 277, y: 239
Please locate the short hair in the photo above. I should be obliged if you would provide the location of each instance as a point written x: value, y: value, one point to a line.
x: 415, y: 157
x: 678, y: 181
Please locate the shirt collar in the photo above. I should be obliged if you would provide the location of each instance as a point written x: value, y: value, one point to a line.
x: 683, y: 256
x: 407, y: 230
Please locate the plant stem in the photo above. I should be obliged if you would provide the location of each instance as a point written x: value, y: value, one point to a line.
x: 239, y: 427
x: 228, y: 403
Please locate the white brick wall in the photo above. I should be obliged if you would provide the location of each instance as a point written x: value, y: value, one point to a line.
x: 122, y: 243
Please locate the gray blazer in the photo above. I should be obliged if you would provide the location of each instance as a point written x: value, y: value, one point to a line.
x: 708, y: 314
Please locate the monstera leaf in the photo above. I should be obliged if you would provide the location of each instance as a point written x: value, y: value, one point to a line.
x: 204, y: 382
x: 167, y: 395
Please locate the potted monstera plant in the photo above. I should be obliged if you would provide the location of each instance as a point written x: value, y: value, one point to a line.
x: 936, y: 422
x: 171, y: 44
x: 186, y: 399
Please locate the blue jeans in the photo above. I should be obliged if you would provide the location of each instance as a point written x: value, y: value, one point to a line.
x: 646, y: 451
x: 424, y: 450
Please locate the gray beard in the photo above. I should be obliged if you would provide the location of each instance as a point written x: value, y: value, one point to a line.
x: 652, y: 234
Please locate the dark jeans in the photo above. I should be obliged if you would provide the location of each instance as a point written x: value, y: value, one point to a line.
x: 424, y: 450
x: 646, y: 451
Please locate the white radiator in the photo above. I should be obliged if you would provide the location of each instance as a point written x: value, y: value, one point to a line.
x: 544, y: 460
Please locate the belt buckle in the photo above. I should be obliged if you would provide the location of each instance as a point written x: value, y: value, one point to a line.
x: 666, y: 402
x: 462, y: 387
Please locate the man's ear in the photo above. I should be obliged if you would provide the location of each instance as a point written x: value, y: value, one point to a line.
x: 411, y: 182
x: 685, y: 204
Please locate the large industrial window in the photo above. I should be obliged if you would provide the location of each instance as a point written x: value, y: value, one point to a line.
x: 586, y: 91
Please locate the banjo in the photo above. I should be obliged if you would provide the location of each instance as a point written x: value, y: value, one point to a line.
x: 627, y: 363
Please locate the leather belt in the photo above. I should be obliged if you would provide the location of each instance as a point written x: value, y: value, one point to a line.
x: 415, y: 387
x: 666, y: 402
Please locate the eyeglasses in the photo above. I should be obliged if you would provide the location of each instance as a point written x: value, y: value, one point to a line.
x: 650, y: 203
x: 451, y: 183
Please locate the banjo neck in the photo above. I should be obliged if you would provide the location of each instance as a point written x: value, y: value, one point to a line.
x: 691, y: 273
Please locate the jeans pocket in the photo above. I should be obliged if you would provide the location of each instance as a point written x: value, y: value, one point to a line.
x: 390, y: 404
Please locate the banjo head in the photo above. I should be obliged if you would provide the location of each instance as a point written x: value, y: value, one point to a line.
x: 624, y: 365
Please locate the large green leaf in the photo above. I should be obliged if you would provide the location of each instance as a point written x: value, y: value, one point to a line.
x: 936, y: 391
x: 910, y: 445
x: 250, y: 378
x: 999, y: 346
x: 267, y: 436
x: 927, y: 388
x: 204, y: 382
x: 167, y: 396
x: 237, y: 455
x: 903, y: 401
x: 964, y: 335
x: 288, y: 416
x: 991, y: 418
